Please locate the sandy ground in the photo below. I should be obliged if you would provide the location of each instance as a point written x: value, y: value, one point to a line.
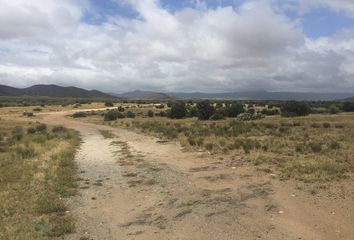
x: 134, y: 187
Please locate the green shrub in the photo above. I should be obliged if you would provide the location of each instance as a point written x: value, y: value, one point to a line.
x: 25, y: 151
x: 195, y: 141
x: 31, y: 130
x: 130, y: 114
x: 113, y: 115
x: 17, y: 133
x: 28, y: 114
x: 108, y: 104
x: 326, y: 125
x: 37, y: 109
x: 77, y: 105
x: 150, y: 113
x: 41, y: 127
x: 57, y: 129
x: 79, y: 114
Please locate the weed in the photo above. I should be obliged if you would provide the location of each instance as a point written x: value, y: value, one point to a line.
x: 334, y: 145
x: 316, y: 147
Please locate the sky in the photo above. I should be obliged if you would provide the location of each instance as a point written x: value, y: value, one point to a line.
x: 179, y: 45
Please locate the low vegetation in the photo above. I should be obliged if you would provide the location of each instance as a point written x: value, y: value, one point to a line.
x: 292, y: 147
x: 37, y: 174
x: 309, y: 148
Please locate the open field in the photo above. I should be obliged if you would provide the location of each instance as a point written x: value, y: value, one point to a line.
x: 142, y: 177
x: 37, y: 175
x: 36, y: 109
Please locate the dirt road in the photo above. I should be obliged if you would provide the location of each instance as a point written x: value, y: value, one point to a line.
x: 134, y: 187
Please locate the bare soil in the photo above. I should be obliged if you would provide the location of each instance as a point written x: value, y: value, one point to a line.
x: 134, y: 186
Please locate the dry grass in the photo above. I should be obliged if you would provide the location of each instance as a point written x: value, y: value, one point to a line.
x: 50, y: 108
x: 37, y: 173
x: 107, y: 134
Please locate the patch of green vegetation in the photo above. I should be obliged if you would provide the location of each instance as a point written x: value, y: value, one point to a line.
x: 79, y: 115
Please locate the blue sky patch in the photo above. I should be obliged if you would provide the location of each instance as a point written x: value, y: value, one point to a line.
x: 322, y: 22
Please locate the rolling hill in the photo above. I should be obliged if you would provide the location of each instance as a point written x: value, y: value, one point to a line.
x: 52, y: 91
x: 145, y: 95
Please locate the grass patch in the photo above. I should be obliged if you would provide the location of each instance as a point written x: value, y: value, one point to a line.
x: 37, y: 173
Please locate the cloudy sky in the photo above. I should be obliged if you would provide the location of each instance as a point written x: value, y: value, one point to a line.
x: 179, y: 45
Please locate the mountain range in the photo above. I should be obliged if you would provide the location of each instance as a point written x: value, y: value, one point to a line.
x: 247, y: 95
x: 75, y: 92
x: 52, y: 91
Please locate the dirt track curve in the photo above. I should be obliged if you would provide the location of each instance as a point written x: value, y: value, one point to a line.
x: 134, y: 187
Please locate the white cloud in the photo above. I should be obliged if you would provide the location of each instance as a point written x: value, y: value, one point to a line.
x: 222, y: 49
x: 337, y: 5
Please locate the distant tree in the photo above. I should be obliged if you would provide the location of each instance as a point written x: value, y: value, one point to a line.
x: 178, y: 110
x: 219, y: 105
x: 234, y: 109
x: 333, y: 109
x: 205, y: 110
x: 294, y: 108
x: 217, y: 116
x: 270, y: 112
x: 150, y: 113
x: 193, y: 112
x: 170, y: 104
x: 348, y: 107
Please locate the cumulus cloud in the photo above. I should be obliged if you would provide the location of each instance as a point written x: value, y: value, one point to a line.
x: 250, y: 47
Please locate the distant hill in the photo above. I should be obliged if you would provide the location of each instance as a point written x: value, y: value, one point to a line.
x: 264, y: 95
x: 350, y: 99
x: 247, y: 95
x: 52, y: 91
x: 145, y: 95
x: 157, y: 96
